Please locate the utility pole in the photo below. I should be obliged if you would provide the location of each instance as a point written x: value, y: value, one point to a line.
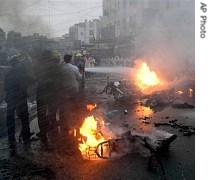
x: 49, y: 3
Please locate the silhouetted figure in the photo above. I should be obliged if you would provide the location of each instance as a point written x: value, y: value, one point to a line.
x: 16, y: 81
x: 47, y: 96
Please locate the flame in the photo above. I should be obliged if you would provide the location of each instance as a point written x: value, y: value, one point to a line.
x: 180, y: 92
x: 90, y: 107
x: 91, y: 135
x: 190, y: 91
x: 145, y: 78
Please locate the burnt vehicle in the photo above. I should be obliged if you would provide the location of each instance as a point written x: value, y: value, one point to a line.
x: 121, y: 90
x: 124, y: 90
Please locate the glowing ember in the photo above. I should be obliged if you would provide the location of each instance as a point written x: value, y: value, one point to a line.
x: 145, y: 78
x: 92, y: 136
x: 180, y: 92
x: 90, y: 107
x: 190, y: 91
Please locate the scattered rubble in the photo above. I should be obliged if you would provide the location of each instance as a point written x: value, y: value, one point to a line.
x: 186, y: 130
x: 22, y: 168
x: 182, y: 105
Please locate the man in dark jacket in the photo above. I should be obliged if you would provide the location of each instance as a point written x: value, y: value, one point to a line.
x: 48, y: 93
x: 15, y: 86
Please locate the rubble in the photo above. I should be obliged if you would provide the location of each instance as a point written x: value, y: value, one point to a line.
x: 186, y: 130
x: 22, y: 168
x: 127, y: 143
x: 182, y: 105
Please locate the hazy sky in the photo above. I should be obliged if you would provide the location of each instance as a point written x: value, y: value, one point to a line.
x: 29, y: 16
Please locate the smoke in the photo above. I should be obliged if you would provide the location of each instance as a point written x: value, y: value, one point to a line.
x: 168, y: 39
x: 20, y: 16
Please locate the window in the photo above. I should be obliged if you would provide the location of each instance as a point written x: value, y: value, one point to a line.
x: 124, y: 3
x: 124, y: 22
x: 91, y: 24
x: 167, y: 3
x: 132, y: 2
x: 105, y: 12
x: 91, y: 33
x: 130, y: 21
x: 178, y: 3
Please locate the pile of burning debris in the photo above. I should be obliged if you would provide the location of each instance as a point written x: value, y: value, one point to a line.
x: 148, y: 88
x: 97, y: 141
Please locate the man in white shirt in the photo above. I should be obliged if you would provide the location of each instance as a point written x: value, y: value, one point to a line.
x: 70, y: 94
x: 68, y: 62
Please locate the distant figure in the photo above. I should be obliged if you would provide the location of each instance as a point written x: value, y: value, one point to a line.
x: 92, y: 62
x: 15, y: 85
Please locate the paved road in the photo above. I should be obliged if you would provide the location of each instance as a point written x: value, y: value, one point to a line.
x: 62, y: 160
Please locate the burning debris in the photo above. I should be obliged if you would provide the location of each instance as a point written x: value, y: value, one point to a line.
x: 127, y: 143
x: 148, y: 88
x: 98, y: 142
x: 146, y: 79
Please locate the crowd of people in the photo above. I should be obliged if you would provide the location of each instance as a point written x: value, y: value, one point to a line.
x: 59, y: 85
x: 118, y: 61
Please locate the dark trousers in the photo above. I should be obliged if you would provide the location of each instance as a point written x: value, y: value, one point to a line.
x: 47, y: 106
x: 69, y: 111
x: 21, y: 109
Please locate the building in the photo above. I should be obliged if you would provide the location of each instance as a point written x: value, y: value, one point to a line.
x: 2, y: 40
x: 65, y: 43
x: 133, y: 24
x: 13, y: 42
x: 84, y: 33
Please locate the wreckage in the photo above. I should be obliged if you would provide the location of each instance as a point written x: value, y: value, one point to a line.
x: 127, y: 143
x: 123, y: 91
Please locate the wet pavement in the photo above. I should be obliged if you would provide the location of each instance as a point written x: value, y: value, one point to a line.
x: 61, y: 159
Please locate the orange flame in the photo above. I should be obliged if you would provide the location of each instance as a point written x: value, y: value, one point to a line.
x: 145, y: 78
x: 180, y: 92
x: 190, y: 91
x: 92, y: 136
x: 90, y: 107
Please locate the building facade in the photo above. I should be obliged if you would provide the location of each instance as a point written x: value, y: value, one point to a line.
x: 85, y: 33
x: 2, y: 40
x: 147, y: 21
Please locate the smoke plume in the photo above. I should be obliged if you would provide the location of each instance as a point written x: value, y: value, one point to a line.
x: 20, y: 16
x: 168, y: 39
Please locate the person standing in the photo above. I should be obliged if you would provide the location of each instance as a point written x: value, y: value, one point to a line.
x: 70, y: 94
x: 15, y: 85
x: 68, y: 61
x: 80, y: 63
x: 47, y: 95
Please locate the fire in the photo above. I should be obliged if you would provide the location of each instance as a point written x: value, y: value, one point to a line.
x: 91, y: 136
x: 190, y: 91
x: 180, y: 92
x: 145, y: 78
x: 90, y: 107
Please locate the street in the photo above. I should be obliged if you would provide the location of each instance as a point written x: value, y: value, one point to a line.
x: 63, y: 160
